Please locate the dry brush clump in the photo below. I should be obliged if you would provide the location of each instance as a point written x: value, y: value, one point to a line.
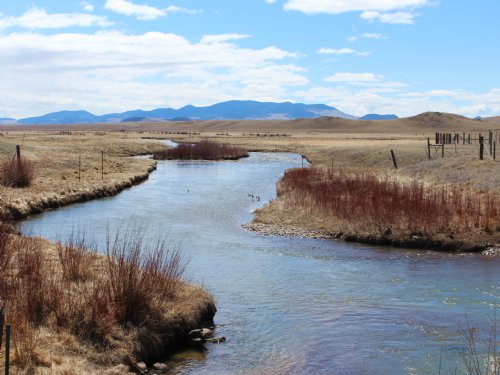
x: 203, y: 150
x: 113, y: 303
x: 373, y: 203
x: 16, y: 172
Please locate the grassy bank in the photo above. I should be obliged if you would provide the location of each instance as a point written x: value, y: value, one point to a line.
x: 377, y: 209
x: 73, y: 311
x: 72, y: 167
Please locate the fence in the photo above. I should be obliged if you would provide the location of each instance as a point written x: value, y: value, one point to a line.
x: 442, y: 139
x: 7, y: 341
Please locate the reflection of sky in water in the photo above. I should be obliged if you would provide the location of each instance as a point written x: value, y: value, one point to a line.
x: 293, y: 305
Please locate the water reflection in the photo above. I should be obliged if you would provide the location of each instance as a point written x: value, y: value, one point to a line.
x: 292, y: 305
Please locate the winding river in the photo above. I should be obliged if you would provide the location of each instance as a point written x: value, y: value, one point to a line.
x: 291, y: 305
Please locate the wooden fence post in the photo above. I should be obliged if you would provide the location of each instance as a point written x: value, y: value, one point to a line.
x: 494, y: 150
x: 429, y: 148
x: 394, y: 159
x: 79, y: 168
x: 7, y: 349
x: 18, y: 154
x: 481, y: 148
x: 442, y: 150
x: 491, y: 143
x: 2, y: 321
x: 102, y: 165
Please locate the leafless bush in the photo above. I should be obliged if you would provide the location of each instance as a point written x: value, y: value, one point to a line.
x: 77, y: 256
x: 98, y: 298
x: 138, y: 274
x: 480, y: 358
x: 203, y: 150
x: 17, y: 172
x: 367, y: 199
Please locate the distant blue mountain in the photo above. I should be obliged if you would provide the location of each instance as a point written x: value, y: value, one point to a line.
x: 63, y: 117
x: 231, y: 110
x: 374, y: 116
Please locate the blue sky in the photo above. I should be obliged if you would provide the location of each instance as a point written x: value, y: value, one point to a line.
x: 360, y: 56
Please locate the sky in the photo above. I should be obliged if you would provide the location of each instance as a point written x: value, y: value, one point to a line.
x: 360, y: 56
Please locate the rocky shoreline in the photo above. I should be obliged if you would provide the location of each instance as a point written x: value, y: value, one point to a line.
x: 414, y: 242
x: 284, y: 231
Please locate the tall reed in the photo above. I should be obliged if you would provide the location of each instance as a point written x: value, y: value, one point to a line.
x: 203, y: 150
x: 384, y: 202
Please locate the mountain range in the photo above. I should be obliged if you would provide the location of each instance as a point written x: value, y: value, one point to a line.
x: 230, y: 110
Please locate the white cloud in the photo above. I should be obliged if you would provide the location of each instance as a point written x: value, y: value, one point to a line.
x: 362, y: 100
x: 406, y: 18
x: 344, y: 6
x: 221, y: 38
x: 376, y: 36
x: 128, y: 8
x: 87, y: 6
x: 112, y: 71
x: 36, y: 18
x: 176, y: 9
x: 353, y: 77
x: 342, y: 51
x: 144, y: 11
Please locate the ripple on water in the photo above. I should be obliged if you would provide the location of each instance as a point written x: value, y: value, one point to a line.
x: 293, y: 305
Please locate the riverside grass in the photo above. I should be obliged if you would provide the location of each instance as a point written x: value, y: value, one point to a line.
x: 96, y: 314
x: 382, y: 209
x: 66, y: 303
x: 350, y: 146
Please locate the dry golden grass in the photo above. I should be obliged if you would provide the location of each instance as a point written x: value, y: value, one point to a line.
x: 57, y: 160
x: 128, y: 306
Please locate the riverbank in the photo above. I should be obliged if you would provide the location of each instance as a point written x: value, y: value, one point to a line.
x: 73, y: 311
x: 380, y: 210
x: 73, y: 168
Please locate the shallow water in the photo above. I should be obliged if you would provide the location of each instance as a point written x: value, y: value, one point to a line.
x: 293, y: 305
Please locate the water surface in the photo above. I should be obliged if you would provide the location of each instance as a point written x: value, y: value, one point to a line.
x: 293, y: 305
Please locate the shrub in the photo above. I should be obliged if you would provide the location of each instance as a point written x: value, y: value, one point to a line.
x: 17, y: 173
x: 99, y: 299
x: 371, y: 201
x: 203, y: 150
x: 137, y: 274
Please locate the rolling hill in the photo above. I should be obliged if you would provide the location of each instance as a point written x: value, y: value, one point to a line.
x: 231, y: 110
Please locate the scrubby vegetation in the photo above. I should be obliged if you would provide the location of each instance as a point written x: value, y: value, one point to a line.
x: 128, y: 305
x: 17, y: 172
x: 367, y: 203
x: 203, y: 150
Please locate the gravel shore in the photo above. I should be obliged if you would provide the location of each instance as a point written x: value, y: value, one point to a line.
x: 284, y: 230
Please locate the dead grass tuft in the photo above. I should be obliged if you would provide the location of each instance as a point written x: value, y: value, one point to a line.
x: 17, y: 173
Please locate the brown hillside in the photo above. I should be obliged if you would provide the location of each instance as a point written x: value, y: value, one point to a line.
x: 423, y: 123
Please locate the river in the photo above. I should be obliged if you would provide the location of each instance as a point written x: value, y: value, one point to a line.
x: 291, y: 305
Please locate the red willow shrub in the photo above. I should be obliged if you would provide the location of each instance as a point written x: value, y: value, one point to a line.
x: 386, y: 202
x: 17, y: 173
x: 203, y: 150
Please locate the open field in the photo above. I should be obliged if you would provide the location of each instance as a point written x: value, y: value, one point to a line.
x: 68, y: 163
x: 337, y: 144
x: 69, y: 167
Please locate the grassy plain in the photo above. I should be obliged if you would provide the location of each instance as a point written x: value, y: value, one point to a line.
x: 68, y: 161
